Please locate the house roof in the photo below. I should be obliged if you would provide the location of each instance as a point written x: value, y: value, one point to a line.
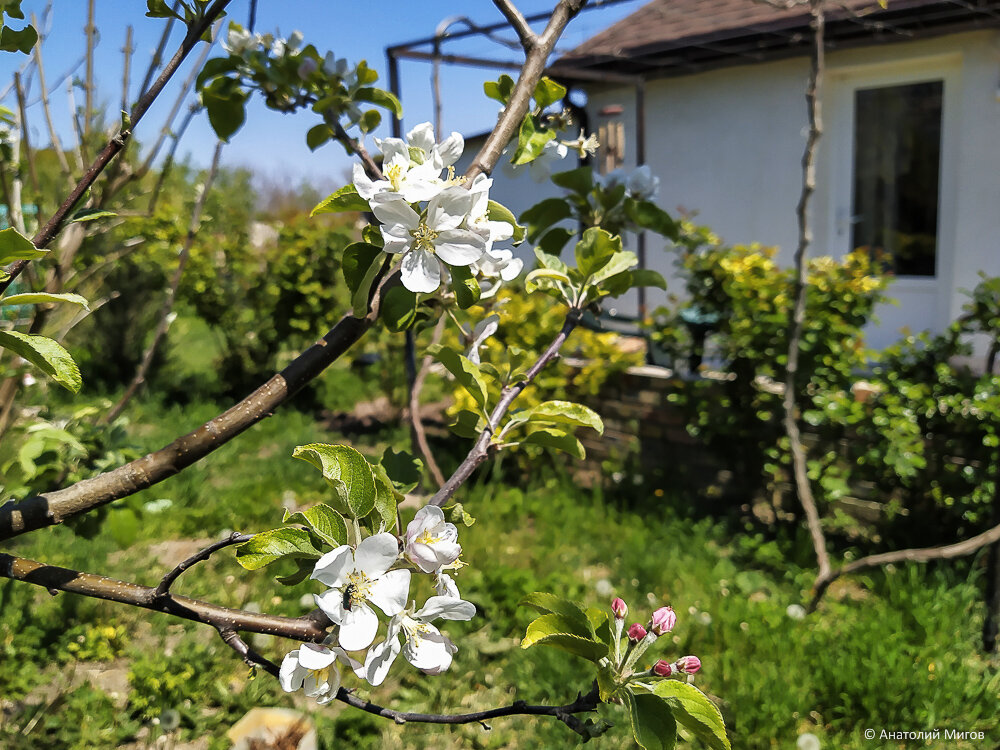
x: 669, y: 37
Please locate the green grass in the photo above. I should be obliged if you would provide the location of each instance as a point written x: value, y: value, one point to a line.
x: 894, y: 650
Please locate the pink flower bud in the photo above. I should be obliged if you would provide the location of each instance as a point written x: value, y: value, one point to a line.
x: 636, y: 632
x: 688, y: 664
x: 620, y: 608
x: 664, y: 620
x: 663, y: 668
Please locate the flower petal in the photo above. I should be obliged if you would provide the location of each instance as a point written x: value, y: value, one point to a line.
x: 376, y: 554
x: 358, y: 627
x: 450, y: 149
x: 396, y: 238
x: 390, y: 208
x: 447, y: 608
x: 459, y: 247
x: 422, y: 137
x: 421, y: 272
x: 448, y: 209
x: 365, y: 186
x: 430, y: 652
x: 314, y: 656
x: 333, y: 568
x: 291, y: 674
x: 380, y: 658
x: 331, y: 602
x: 390, y: 592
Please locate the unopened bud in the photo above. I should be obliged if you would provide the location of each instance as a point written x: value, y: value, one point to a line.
x: 307, y: 68
x: 636, y: 632
x: 663, y: 668
x: 688, y: 664
x: 663, y: 621
x: 620, y: 608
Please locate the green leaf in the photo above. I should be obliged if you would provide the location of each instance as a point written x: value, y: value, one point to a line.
x: 380, y: 98
x: 90, y: 214
x: 370, y: 120
x: 37, y: 298
x: 466, y: 373
x: 530, y: 141
x: 551, y: 262
x: 499, y: 212
x: 361, y: 263
x: 555, y: 240
x: 580, y: 180
x: 465, y: 286
x: 647, y: 277
x: 653, y: 724
x: 607, y: 686
x: 570, y: 611
x: 398, y: 309
x: 226, y: 107
x: 345, y: 199
x: 650, y: 216
x: 383, y: 516
x: 318, y: 135
x: 457, y: 514
x: 216, y: 67
x: 695, y: 712
x: 47, y: 355
x: 544, y: 278
x: 559, y: 440
x: 328, y: 524
x: 601, y: 625
x: 595, y: 250
x: 565, y: 412
x: 365, y: 74
x: 544, y: 214
x: 304, y: 566
x: 500, y: 89
x: 266, y: 547
x: 468, y: 424
x: 14, y: 246
x: 160, y: 9
x: 618, y: 263
x: 403, y: 469
x: 548, y: 92
x: 12, y: 40
x: 560, y: 632
x: 346, y: 471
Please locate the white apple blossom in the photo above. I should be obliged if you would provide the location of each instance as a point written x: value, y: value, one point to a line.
x: 356, y: 577
x: 642, y: 184
x: 542, y: 167
x: 430, y: 237
x: 425, y: 647
x: 239, y: 41
x: 313, y: 668
x: 479, y: 219
x: 480, y: 332
x: 430, y: 541
x: 445, y: 585
x: 612, y: 179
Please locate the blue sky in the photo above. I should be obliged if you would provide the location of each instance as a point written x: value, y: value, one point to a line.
x: 273, y: 145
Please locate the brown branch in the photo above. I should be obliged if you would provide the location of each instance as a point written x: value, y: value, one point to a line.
x: 163, y: 589
x: 47, y: 110
x: 28, y: 156
x: 307, y: 628
x: 373, y: 170
x: 118, y: 141
x: 171, y: 296
x: 799, y: 465
x: 157, y: 59
x: 418, y: 424
x: 519, y: 23
x: 481, y: 449
x: 920, y: 555
x: 88, y: 105
x: 531, y: 72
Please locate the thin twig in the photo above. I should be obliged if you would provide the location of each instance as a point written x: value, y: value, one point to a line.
x: 28, y: 156
x: 157, y: 59
x: 168, y: 163
x: 481, y: 449
x: 117, y: 142
x: 47, y: 110
x: 163, y: 589
x: 518, y: 22
x: 418, y: 424
x: 88, y: 102
x: 168, y: 301
x: 799, y: 464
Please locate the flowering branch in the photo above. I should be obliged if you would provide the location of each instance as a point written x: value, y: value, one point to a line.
x: 164, y: 588
x: 481, y: 449
x: 118, y: 141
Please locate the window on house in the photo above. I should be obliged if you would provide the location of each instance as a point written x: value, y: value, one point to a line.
x: 897, y: 155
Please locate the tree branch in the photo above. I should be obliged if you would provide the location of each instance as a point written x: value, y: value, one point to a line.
x: 418, y: 424
x: 118, y: 141
x: 799, y: 466
x: 481, y: 449
x: 531, y: 73
x: 53, y: 135
x: 519, y: 23
x: 163, y: 589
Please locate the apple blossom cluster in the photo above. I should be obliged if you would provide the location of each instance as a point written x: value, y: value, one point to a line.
x: 375, y: 577
x: 639, y: 638
x: 640, y: 183
x: 431, y: 218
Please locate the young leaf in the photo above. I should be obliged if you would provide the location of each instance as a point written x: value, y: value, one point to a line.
x: 399, y: 309
x: 383, y: 515
x: 90, y: 214
x: 345, y: 199
x: 14, y: 246
x: 559, y: 632
x: 346, y: 471
x: 551, y: 604
x: 653, y: 724
x: 468, y: 424
x: 457, y: 514
x: 551, y: 438
x: 650, y: 216
x: 555, y: 240
x: 380, y: 98
x: 618, y: 263
x: 403, y: 469
x: 304, y: 567
x: 275, y: 544
x: 318, y: 135
x: 466, y: 373
x: 500, y: 89
x: 530, y: 141
x: 499, y: 212
x: 548, y: 92
x: 47, y: 355
x: 544, y: 214
x: 14, y: 40
x: 580, y: 180
x: 226, y: 107
x: 328, y: 524
x: 695, y: 712
x: 37, y: 298
x: 565, y: 412
x: 361, y: 263
x: 465, y: 286
x: 595, y: 250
